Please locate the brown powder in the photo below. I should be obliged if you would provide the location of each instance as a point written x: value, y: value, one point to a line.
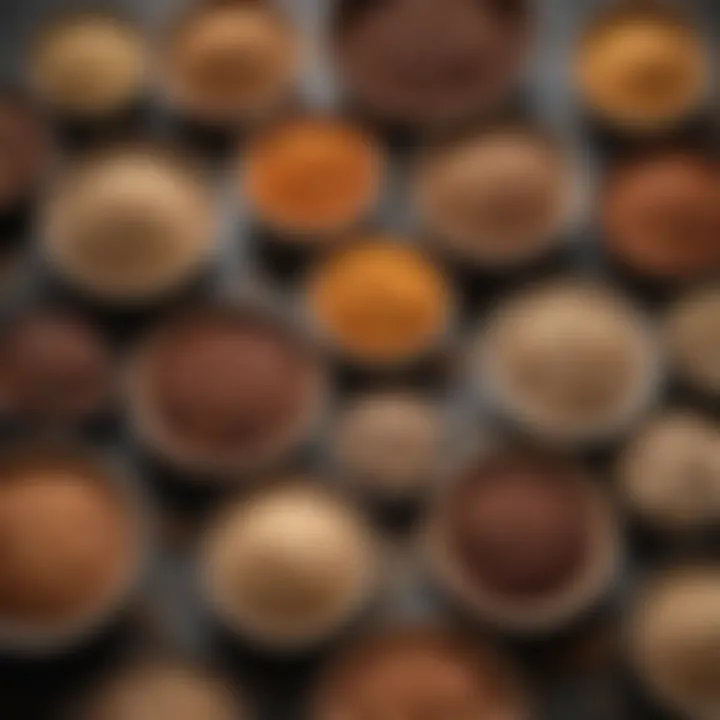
x: 24, y: 152
x: 225, y: 386
x: 417, y: 674
x: 497, y: 198
x: 390, y: 444
x: 519, y: 524
x: 431, y: 62
x: 229, y: 62
x: 661, y: 216
x: 54, y: 368
x: 65, y: 541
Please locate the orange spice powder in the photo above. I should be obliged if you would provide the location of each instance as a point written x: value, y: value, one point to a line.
x: 313, y: 175
x: 380, y: 301
x: 642, y: 67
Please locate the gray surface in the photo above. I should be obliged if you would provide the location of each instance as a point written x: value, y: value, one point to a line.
x: 177, y: 624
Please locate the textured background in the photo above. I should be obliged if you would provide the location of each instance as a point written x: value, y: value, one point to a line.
x: 587, y: 689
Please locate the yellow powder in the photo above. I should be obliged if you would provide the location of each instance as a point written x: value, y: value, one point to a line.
x: 642, y: 68
x: 380, y: 302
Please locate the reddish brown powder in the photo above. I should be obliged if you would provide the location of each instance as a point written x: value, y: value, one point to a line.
x: 419, y: 674
x: 65, y: 541
x: 662, y: 216
x: 24, y: 152
x: 519, y: 524
x: 227, y: 382
x: 54, y: 367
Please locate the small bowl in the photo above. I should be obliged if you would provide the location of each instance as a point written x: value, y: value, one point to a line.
x: 514, y: 596
x: 129, y: 227
x: 227, y: 66
x: 27, y: 156
x: 669, y: 474
x: 660, y: 219
x: 692, y: 337
x: 57, y: 371
x: 303, y: 565
x: 501, y: 199
x: 237, y: 335
x: 672, y: 632
x: 90, y: 70
x: 182, y: 689
x: 309, y: 181
x: 40, y: 638
x: 408, y: 670
x: 526, y: 373
x: 390, y: 446
x: 391, y: 287
x: 643, y: 69
x: 475, y: 69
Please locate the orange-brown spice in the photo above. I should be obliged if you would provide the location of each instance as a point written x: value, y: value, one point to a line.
x: 380, y: 301
x: 313, y: 175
